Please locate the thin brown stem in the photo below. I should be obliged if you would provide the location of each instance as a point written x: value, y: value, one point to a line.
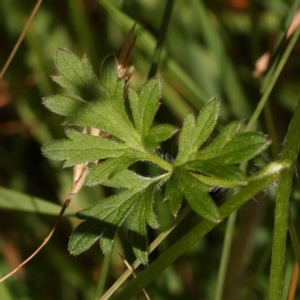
x: 127, y: 264
x: 294, y: 282
x: 18, y: 43
x: 64, y: 207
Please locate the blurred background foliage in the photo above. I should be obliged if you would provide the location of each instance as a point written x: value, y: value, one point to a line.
x: 210, y: 49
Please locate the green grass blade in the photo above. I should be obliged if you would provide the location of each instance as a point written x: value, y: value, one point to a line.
x: 230, y: 229
x: 228, y: 77
x: 161, y: 38
x: 103, y: 276
x: 12, y: 200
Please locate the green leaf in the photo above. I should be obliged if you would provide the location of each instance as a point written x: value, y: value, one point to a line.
x: 104, y: 171
x: 216, y: 146
x: 110, y: 212
x: 65, y: 105
x: 137, y: 231
x: 113, y: 86
x: 125, y: 179
x: 174, y: 193
x: 205, y: 123
x: 194, y: 133
x: 80, y: 148
x: 202, y: 204
x: 242, y: 148
x: 195, y: 193
x: 107, y: 239
x: 109, y: 75
x: 100, y: 103
x: 148, y: 203
x: 76, y: 75
x: 219, y: 182
x: 226, y: 173
x: 180, y: 181
x: 158, y: 134
x: 134, y: 106
x: 104, y: 218
x: 186, y: 136
x: 79, y: 241
x: 145, y: 105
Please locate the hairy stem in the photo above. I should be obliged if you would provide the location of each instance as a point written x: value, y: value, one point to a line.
x: 288, y: 154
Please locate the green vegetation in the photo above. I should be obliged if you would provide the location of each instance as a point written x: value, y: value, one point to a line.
x: 176, y: 137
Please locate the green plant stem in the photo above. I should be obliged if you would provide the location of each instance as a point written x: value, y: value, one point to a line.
x: 225, y: 255
x: 161, y: 38
x: 102, y: 277
x: 193, y: 236
x: 153, y: 246
x: 273, y: 80
x: 159, y: 161
x: 288, y: 154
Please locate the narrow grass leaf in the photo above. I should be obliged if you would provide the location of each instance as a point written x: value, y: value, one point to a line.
x: 12, y: 200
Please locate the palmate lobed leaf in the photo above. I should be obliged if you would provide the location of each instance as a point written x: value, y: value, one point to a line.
x: 99, y: 103
x: 211, y: 166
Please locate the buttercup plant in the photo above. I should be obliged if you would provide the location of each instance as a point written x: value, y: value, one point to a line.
x: 104, y: 140
x: 98, y: 104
